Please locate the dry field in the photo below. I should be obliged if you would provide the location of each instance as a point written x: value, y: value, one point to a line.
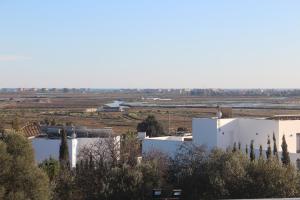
x: 71, y: 108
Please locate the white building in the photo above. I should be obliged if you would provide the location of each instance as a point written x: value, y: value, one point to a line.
x: 223, y: 133
x: 45, y: 148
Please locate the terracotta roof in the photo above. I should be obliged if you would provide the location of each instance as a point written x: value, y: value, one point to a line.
x: 31, y: 129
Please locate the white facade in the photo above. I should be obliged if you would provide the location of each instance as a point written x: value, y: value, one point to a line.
x: 45, y: 148
x: 168, y: 145
x: 223, y: 133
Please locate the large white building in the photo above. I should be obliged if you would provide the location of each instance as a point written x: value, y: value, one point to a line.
x: 224, y: 132
x: 45, y: 148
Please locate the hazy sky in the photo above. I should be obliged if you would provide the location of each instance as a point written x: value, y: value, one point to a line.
x: 154, y: 43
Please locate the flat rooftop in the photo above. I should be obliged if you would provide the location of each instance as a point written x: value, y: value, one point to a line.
x: 171, y: 138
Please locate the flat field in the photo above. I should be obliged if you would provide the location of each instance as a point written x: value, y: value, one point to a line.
x: 172, y: 110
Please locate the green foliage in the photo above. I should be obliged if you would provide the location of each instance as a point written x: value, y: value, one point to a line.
x: 50, y: 167
x: 1, y: 127
x: 269, y: 150
x: 98, y: 176
x: 53, y: 122
x: 275, y: 151
x: 20, y: 178
x: 64, y: 187
x: 260, y: 151
x: 15, y: 124
x: 151, y: 126
x: 221, y: 175
x: 252, y: 153
x: 285, y: 153
x: 269, y: 179
x: 182, y: 129
x: 234, y: 147
x: 64, y: 150
x: 130, y: 148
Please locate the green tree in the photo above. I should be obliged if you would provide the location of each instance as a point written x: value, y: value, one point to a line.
x: 269, y: 150
x: 20, y: 178
x: 234, y: 147
x: 64, y: 185
x: 53, y: 122
x: 51, y: 168
x: 151, y: 126
x: 260, y: 151
x: 15, y: 124
x: 285, y: 158
x: 130, y: 148
x: 246, y: 149
x: 275, y: 151
x: 2, y: 129
x: 252, y: 153
x: 239, y: 146
x: 64, y: 150
x: 269, y: 179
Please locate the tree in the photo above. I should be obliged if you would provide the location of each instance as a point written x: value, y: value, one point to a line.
x: 53, y: 122
x: 275, y: 151
x: 285, y: 153
x: 246, y: 149
x: 151, y: 126
x: 252, y: 153
x: 260, y: 151
x: 269, y: 179
x: 64, y: 150
x: 239, y: 146
x: 50, y: 167
x: 20, y: 178
x: 15, y: 124
x: 269, y: 150
x: 182, y: 129
x: 234, y: 147
x: 130, y: 148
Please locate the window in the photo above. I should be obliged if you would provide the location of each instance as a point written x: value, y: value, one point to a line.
x: 298, y: 142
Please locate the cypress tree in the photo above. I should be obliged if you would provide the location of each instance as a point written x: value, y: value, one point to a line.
x: 275, y: 151
x: 260, y: 151
x: 234, y: 147
x: 247, y: 149
x: 252, y: 154
x: 63, y: 150
x: 285, y: 154
x: 239, y: 146
x: 269, y: 150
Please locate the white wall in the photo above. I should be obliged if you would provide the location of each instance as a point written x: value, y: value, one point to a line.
x: 205, y: 132
x: 289, y: 128
x: 168, y: 147
x: 44, y: 147
x: 257, y: 130
x: 223, y: 133
x: 227, y: 134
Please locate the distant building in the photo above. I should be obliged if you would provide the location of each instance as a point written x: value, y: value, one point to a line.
x: 91, y: 110
x: 116, y: 106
